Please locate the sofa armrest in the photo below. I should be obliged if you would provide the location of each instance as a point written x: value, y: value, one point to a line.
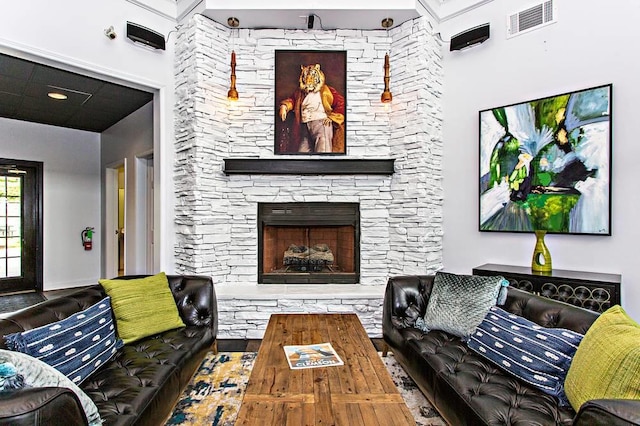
x: 41, y: 406
x: 610, y: 412
x: 195, y: 297
x: 405, y: 300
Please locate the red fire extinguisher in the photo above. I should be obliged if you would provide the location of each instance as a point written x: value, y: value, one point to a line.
x: 87, y: 237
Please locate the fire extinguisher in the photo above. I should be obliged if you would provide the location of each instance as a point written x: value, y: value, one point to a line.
x: 87, y: 238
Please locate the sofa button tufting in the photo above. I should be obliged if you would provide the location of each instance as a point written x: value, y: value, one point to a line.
x: 122, y: 386
x: 460, y: 380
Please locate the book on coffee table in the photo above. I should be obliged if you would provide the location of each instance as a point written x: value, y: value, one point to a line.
x: 311, y: 356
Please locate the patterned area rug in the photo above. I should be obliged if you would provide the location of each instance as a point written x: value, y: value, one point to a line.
x: 422, y: 410
x: 215, y: 393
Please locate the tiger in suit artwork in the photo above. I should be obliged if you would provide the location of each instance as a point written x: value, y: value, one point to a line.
x: 318, y: 111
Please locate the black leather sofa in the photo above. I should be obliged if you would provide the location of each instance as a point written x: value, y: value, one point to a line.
x: 465, y: 388
x: 142, y: 383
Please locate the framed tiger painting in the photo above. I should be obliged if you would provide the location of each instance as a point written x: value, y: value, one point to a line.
x: 310, y: 102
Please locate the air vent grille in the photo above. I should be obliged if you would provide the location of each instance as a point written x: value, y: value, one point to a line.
x: 534, y: 17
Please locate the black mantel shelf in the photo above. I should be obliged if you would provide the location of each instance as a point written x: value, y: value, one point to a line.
x: 333, y: 166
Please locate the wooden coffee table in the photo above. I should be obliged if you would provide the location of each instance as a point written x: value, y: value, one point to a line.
x: 360, y: 392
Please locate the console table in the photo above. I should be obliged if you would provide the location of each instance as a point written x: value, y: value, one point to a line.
x: 590, y: 290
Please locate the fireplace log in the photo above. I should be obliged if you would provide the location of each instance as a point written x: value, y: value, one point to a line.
x: 303, y: 258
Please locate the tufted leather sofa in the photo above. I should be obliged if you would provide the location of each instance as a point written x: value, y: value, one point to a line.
x: 467, y: 389
x: 142, y: 383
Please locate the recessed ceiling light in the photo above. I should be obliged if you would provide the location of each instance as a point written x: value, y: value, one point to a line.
x: 57, y: 95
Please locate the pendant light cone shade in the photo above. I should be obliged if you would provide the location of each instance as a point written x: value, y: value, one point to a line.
x: 232, y: 95
x: 386, y: 94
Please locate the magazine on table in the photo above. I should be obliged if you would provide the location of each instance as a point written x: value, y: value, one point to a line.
x: 312, y: 356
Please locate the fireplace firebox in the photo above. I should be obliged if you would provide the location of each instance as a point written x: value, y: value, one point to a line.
x: 308, y: 243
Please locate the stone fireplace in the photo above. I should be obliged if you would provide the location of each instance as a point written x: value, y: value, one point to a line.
x: 308, y: 243
x: 220, y: 215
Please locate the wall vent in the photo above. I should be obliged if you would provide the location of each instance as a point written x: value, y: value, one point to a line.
x: 534, y: 17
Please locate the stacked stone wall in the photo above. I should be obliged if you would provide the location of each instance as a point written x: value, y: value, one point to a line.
x: 216, y: 216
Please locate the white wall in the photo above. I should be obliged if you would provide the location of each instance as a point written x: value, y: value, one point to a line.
x: 71, y: 196
x: 124, y: 142
x: 593, y: 43
x: 70, y: 34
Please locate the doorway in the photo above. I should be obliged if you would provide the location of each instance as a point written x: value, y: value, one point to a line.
x: 115, y: 245
x: 120, y: 229
x: 21, y: 222
x: 145, y: 211
x: 129, y: 216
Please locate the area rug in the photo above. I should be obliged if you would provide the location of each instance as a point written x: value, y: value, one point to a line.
x: 422, y: 410
x: 215, y: 393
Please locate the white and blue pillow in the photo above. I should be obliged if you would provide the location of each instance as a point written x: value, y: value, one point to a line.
x: 37, y: 374
x: 76, y: 346
x: 538, y: 355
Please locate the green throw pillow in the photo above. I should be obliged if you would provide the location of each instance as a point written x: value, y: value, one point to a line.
x: 607, y: 362
x: 142, y: 306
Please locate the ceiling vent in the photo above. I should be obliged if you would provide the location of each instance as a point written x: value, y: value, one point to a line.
x: 535, y: 17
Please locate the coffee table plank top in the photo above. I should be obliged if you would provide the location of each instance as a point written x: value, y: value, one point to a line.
x: 360, y: 392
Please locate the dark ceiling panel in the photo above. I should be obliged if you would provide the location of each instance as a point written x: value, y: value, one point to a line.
x: 12, y: 85
x: 7, y: 109
x: 38, y: 113
x: 110, y: 90
x: 16, y: 68
x: 92, y: 104
x: 55, y: 77
x: 43, y: 116
x: 121, y: 103
x: 92, y: 120
x: 9, y: 99
x: 37, y: 93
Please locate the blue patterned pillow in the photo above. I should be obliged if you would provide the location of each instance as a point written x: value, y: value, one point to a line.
x: 76, y: 346
x: 535, y: 354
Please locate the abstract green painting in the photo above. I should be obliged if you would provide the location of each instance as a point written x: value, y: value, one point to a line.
x: 545, y: 164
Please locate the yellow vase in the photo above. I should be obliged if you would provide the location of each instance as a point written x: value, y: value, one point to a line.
x: 541, y: 261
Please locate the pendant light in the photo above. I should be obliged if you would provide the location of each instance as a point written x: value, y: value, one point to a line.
x: 232, y: 95
x: 386, y: 94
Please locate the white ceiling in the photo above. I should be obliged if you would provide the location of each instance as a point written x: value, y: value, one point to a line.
x: 327, y: 19
x: 328, y: 14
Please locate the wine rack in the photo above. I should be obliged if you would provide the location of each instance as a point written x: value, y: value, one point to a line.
x: 590, y: 290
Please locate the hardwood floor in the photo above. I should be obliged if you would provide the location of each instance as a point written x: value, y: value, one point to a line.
x: 16, y: 301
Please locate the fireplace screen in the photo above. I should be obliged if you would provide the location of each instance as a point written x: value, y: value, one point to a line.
x: 308, y: 243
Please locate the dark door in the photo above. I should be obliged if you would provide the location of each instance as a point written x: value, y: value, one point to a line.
x: 20, y: 226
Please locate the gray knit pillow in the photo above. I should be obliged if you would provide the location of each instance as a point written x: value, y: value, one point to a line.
x: 458, y: 303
